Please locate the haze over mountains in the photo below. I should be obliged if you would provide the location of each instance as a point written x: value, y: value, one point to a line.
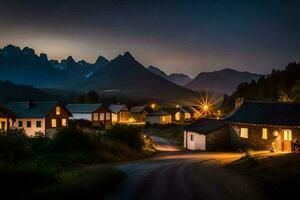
x: 120, y: 76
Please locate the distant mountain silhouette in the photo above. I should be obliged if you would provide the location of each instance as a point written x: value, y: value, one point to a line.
x: 23, y: 66
x: 125, y: 76
x: 223, y: 81
x: 179, y: 79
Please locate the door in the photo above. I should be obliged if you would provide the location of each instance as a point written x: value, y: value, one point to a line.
x: 287, y: 140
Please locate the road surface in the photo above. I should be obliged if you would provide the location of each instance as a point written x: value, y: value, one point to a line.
x: 183, y: 175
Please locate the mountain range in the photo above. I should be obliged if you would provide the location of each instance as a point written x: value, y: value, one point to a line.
x: 123, y: 75
x: 179, y: 79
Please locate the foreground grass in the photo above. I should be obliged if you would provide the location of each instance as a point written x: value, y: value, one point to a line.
x: 89, y: 183
x: 277, y: 175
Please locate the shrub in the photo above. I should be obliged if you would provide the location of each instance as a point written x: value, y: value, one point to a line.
x: 71, y: 139
x: 14, y: 145
x: 128, y: 135
x: 41, y: 144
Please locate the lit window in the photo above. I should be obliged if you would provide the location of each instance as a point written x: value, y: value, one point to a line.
x: 287, y: 135
x: 96, y: 117
x: 244, y: 133
x: 163, y: 119
x: 264, y: 133
x: 114, y: 117
x: 177, y: 116
x: 107, y: 116
x: 38, y: 124
x: 101, y: 116
x: 20, y: 123
x: 192, y: 137
x: 53, y: 123
x: 64, y: 122
x: 28, y: 124
x: 57, y: 110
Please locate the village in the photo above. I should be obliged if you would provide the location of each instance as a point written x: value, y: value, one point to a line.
x: 252, y: 125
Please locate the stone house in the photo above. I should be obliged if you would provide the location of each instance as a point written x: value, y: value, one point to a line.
x: 252, y: 125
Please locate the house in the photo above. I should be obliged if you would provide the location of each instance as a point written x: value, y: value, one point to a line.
x: 138, y: 113
x: 194, y: 113
x: 252, y: 125
x: 120, y: 113
x: 98, y: 114
x: 39, y: 117
x: 159, y: 117
x: 7, y: 118
x: 178, y: 114
x: 207, y: 134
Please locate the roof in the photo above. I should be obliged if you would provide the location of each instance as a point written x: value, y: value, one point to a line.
x: 264, y: 113
x: 137, y: 109
x: 116, y: 108
x: 83, y: 108
x: 205, y: 125
x: 172, y: 111
x: 28, y: 109
x: 190, y: 109
x: 159, y: 113
x: 8, y: 111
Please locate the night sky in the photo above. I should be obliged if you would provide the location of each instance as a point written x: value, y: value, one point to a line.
x: 177, y: 36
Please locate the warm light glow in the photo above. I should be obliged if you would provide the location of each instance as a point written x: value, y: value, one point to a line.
x: 177, y: 106
x: 153, y: 106
x: 131, y: 120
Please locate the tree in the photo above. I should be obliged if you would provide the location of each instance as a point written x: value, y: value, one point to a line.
x: 91, y: 97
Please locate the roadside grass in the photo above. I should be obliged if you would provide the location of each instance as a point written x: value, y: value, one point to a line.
x: 170, y: 131
x: 32, y: 164
x: 278, y: 175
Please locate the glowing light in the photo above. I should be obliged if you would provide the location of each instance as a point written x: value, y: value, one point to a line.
x: 131, y: 120
x: 153, y: 106
x: 177, y: 106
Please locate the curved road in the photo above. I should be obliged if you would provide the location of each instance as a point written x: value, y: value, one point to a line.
x: 183, y: 175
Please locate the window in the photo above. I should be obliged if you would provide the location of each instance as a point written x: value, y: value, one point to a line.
x: 163, y: 119
x: 177, y: 116
x: 57, y: 110
x: 53, y: 123
x: 287, y: 135
x: 28, y: 124
x: 38, y: 124
x: 107, y: 116
x: 264, y: 133
x: 101, y: 116
x: 114, y: 117
x: 96, y: 117
x: 64, y: 122
x: 192, y: 137
x: 244, y: 133
x: 20, y: 123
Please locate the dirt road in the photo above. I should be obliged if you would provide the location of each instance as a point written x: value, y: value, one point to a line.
x: 183, y: 175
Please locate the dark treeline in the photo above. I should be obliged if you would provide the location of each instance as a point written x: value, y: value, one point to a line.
x: 279, y: 86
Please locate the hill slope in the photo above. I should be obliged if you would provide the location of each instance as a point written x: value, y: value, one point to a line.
x: 223, y: 81
x: 125, y: 76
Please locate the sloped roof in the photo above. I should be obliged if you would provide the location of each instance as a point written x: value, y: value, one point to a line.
x: 159, y: 113
x: 83, y: 108
x: 264, y: 113
x: 116, y: 108
x: 31, y: 109
x: 172, y: 111
x: 190, y: 109
x: 137, y: 109
x: 205, y: 125
x: 7, y: 110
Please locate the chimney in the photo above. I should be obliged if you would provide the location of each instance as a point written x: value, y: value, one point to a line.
x: 239, y: 101
x: 29, y: 104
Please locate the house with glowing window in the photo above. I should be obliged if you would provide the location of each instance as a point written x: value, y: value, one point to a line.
x: 252, y: 125
x: 120, y: 113
x: 7, y: 118
x: 179, y: 114
x: 98, y: 114
x: 159, y: 117
x: 38, y: 117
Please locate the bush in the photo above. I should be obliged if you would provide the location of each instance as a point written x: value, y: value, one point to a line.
x: 41, y: 144
x: 14, y: 145
x: 71, y: 139
x: 128, y: 135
